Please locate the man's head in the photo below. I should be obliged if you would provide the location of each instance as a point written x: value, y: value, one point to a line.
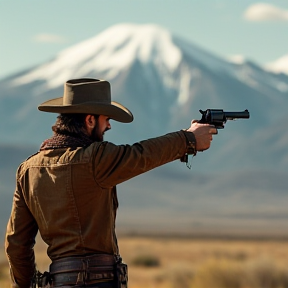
x: 87, y: 96
x: 94, y: 126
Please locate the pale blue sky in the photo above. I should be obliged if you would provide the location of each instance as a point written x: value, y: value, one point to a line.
x: 33, y: 31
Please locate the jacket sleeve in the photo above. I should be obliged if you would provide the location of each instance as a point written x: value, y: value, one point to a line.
x: 19, y: 242
x: 114, y: 164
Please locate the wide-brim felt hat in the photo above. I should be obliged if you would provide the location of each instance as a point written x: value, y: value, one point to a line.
x: 88, y: 96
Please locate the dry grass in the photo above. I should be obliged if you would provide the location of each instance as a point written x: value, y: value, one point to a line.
x: 189, y: 263
x: 208, y: 263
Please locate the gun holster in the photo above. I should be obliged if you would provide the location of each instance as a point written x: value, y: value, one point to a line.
x: 122, y: 275
x: 41, y: 280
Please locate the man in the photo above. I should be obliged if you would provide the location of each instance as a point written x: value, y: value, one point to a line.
x: 67, y: 190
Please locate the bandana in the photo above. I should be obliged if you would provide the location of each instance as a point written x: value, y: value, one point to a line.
x: 64, y: 141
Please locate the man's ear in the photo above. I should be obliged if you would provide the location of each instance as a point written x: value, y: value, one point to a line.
x: 90, y: 122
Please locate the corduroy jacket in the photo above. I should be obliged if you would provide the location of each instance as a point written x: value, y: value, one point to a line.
x: 70, y: 197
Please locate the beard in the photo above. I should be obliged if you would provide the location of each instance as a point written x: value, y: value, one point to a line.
x: 96, y: 134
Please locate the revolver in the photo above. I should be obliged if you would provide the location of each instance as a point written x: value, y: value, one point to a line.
x: 218, y: 117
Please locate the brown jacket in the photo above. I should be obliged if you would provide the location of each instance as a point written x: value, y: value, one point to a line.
x: 70, y: 197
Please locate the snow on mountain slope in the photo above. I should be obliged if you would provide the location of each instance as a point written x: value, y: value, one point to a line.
x: 118, y: 47
x: 279, y: 66
x: 112, y: 51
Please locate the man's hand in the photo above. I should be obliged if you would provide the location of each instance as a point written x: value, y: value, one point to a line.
x: 203, y: 134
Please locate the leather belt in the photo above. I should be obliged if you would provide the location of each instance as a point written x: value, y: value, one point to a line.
x: 83, y: 270
x: 69, y: 264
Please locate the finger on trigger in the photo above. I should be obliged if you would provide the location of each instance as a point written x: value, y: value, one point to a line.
x: 213, y: 131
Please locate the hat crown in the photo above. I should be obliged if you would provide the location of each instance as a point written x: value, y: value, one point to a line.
x: 86, y: 90
x: 88, y: 96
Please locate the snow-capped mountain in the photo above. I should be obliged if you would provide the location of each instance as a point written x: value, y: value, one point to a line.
x: 110, y: 52
x: 151, y: 71
x: 279, y: 66
x: 164, y: 80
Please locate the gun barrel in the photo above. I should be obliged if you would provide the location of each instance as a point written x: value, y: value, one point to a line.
x: 235, y: 115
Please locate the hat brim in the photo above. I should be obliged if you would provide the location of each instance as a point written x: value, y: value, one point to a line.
x: 114, y: 110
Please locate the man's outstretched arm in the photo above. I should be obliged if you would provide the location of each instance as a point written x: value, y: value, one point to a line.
x: 114, y: 164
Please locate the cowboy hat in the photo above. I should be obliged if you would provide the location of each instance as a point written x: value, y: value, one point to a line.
x: 89, y: 96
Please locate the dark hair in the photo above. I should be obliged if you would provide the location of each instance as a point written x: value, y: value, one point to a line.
x: 70, y: 124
